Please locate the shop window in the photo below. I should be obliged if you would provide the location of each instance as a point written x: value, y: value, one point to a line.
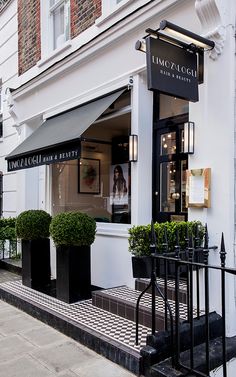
x: 99, y: 182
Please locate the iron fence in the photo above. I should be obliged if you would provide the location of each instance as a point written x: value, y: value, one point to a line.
x: 198, y: 330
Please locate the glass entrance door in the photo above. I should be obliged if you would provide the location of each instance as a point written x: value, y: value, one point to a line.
x: 169, y: 170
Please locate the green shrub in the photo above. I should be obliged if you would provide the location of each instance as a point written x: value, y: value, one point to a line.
x: 73, y: 228
x: 33, y: 224
x: 8, y: 222
x: 140, y: 236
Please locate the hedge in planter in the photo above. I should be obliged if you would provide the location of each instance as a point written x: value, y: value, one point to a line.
x: 32, y: 227
x: 140, y: 236
x: 73, y: 233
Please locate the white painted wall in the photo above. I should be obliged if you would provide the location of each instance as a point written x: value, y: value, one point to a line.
x: 8, y: 75
x: 214, y: 118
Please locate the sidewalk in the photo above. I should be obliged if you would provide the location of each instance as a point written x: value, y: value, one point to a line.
x: 30, y: 348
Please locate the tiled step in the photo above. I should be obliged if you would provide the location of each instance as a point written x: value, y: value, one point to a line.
x: 105, y: 333
x: 141, y: 284
x: 122, y: 301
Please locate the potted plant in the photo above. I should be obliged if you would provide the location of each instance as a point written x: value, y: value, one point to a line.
x: 168, y: 235
x: 73, y: 233
x: 32, y: 227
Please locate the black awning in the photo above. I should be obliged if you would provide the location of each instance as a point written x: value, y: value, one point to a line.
x: 58, y: 138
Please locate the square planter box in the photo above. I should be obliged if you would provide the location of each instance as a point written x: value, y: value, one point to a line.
x: 36, y: 271
x: 142, y: 266
x: 73, y: 273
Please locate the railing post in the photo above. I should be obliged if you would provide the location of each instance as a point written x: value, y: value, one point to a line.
x: 206, y: 253
x: 223, y: 258
x: 177, y: 337
x: 190, y: 251
x: 153, y: 277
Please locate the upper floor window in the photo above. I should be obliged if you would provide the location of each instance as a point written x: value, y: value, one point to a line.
x: 59, y: 12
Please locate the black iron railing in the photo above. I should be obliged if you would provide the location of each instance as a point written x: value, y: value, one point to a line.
x: 8, y: 250
x: 194, y: 260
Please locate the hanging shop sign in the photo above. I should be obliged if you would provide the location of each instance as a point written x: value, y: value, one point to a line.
x: 43, y: 157
x: 172, y: 69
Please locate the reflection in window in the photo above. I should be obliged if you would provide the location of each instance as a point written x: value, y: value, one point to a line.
x: 168, y: 186
x: 168, y: 143
x: 172, y: 106
x: 99, y: 183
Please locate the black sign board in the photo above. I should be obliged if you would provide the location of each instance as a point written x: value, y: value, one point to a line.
x: 171, y: 69
x: 53, y: 154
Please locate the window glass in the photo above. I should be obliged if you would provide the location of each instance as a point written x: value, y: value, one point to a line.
x: 172, y: 106
x: 168, y: 186
x: 168, y: 143
x: 60, y: 20
x: 99, y: 182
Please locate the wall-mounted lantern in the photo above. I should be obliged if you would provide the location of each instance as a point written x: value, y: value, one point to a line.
x: 133, y: 148
x: 189, y: 137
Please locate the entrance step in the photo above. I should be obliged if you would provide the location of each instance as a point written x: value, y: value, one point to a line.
x: 141, y: 284
x: 122, y: 302
x: 12, y: 265
x: 165, y: 369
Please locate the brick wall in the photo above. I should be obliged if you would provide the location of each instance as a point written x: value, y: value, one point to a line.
x: 29, y: 41
x: 83, y: 15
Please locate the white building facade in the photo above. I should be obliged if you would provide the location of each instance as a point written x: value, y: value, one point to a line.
x: 102, y: 62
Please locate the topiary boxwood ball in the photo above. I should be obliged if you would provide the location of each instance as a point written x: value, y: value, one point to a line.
x: 73, y: 229
x: 33, y: 224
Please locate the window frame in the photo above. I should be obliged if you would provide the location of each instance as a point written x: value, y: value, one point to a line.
x: 47, y: 27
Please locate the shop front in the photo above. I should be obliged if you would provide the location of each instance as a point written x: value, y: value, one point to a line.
x: 76, y: 117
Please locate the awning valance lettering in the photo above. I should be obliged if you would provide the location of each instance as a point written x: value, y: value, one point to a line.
x: 58, y: 138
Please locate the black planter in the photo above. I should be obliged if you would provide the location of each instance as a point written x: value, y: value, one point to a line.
x: 171, y: 266
x: 142, y: 266
x: 36, y: 271
x: 73, y: 273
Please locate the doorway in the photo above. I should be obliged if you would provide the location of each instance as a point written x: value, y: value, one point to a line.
x: 169, y: 161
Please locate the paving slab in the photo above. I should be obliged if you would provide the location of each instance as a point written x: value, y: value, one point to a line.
x: 43, y: 336
x: 66, y: 355
x: 12, y: 346
x: 102, y: 368
x: 24, y: 367
x: 17, y: 324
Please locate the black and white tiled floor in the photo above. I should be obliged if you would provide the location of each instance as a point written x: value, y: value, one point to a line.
x: 84, y: 313
x: 132, y: 295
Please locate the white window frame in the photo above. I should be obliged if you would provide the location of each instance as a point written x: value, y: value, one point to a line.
x: 47, y: 33
x: 109, y: 6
